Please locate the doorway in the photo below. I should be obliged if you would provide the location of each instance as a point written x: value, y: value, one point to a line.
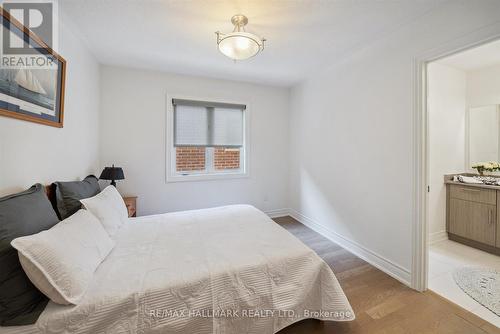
x: 462, y: 207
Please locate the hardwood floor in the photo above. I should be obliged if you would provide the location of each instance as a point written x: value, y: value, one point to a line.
x: 382, y: 304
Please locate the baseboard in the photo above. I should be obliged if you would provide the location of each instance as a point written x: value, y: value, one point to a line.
x: 277, y: 213
x: 437, y: 237
x: 401, y: 274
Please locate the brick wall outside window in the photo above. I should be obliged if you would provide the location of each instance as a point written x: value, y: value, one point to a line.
x: 189, y: 158
x: 226, y: 158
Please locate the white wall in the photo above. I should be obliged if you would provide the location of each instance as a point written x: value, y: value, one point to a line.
x: 31, y: 153
x: 351, y: 135
x: 483, y: 86
x: 446, y: 107
x: 133, y: 104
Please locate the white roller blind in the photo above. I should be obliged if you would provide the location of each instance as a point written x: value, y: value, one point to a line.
x: 199, y: 123
x: 227, y: 127
x: 191, y: 126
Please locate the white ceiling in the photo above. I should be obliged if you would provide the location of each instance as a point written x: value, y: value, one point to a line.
x: 178, y: 35
x: 483, y: 56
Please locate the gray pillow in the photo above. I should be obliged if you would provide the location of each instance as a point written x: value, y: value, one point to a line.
x: 21, y: 214
x: 69, y: 194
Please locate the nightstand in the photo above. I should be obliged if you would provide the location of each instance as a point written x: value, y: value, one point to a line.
x: 131, y: 203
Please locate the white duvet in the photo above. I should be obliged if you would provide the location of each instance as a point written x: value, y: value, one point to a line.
x: 222, y: 270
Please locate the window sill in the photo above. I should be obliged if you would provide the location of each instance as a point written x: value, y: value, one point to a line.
x: 206, y: 177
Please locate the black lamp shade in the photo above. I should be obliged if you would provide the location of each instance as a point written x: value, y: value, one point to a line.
x: 112, y: 174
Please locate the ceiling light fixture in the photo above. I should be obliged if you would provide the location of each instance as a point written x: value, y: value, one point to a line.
x: 239, y: 44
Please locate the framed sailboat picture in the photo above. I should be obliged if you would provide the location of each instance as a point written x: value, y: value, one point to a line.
x: 31, y: 83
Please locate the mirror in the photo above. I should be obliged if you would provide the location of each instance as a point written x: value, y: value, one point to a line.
x: 483, y: 133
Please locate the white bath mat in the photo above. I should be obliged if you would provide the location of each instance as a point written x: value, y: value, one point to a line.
x: 482, y: 284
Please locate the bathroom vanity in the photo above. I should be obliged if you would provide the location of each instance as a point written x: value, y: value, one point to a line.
x: 472, y: 214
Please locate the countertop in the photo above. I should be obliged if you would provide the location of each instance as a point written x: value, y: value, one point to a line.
x: 448, y: 179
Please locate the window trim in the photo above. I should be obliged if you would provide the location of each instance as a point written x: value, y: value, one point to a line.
x: 173, y: 176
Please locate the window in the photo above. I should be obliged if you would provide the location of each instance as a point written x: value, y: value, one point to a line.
x: 207, y: 140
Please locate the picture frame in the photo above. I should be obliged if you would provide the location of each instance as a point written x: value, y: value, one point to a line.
x: 32, y: 94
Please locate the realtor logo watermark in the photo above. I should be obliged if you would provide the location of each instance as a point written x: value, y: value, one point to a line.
x: 249, y: 313
x: 19, y: 50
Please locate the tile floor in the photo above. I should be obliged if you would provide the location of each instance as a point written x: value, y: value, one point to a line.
x: 446, y: 256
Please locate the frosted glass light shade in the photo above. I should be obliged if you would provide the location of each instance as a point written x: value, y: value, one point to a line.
x: 240, y: 45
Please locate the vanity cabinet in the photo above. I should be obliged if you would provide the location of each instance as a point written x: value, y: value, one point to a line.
x: 471, y: 215
x: 472, y: 220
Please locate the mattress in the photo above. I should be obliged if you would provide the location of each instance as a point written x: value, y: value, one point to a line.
x: 222, y: 270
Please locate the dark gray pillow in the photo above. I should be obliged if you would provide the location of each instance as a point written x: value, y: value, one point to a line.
x: 69, y: 194
x: 21, y: 214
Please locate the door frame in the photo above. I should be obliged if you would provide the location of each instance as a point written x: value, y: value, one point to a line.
x: 485, y: 35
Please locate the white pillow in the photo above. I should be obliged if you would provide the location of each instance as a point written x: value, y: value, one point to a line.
x: 108, y: 206
x: 61, y: 261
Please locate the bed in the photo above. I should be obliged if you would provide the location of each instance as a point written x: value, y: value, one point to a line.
x: 222, y: 270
